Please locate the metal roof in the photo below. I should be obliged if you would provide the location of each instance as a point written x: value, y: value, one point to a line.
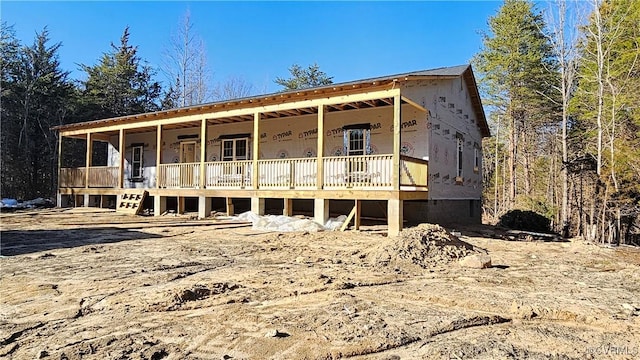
x: 444, y: 72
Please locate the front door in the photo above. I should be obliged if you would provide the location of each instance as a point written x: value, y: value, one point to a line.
x: 188, y: 152
x: 187, y: 172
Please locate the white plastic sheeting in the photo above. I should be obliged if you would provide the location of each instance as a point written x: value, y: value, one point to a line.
x: 281, y: 223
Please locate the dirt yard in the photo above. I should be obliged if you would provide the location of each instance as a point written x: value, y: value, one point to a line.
x: 93, y: 284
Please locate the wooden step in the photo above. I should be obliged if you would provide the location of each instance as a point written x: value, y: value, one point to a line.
x: 131, y: 202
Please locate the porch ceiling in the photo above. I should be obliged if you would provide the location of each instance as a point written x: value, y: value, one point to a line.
x: 347, y: 106
x: 353, y: 102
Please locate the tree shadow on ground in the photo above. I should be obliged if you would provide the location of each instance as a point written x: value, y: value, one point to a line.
x: 20, y: 242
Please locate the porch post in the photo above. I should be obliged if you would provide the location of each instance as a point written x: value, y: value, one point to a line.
x: 58, y: 195
x: 396, y: 141
x: 204, y: 207
x: 230, y: 209
x: 321, y: 211
x: 257, y: 205
x: 158, y: 154
x: 356, y: 219
x: 256, y: 149
x: 394, y: 216
x: 288, y: 207
x: 89, y: 155
x: 159, y: 205
x: 320, y: 154
x: 121, y: 150
x: 203, y: 155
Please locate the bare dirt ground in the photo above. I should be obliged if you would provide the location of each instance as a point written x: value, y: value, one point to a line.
x: 92, y: 284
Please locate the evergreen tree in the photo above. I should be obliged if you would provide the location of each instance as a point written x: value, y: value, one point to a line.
x: 121, y: 84
x: 9, y: 126
x: 517, y: 71
x: 304, y: 78
x: 37, y: 97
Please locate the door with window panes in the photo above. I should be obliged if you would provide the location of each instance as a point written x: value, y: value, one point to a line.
x: 187, y: 173
x: 356, y: 143
x: 235, y: 150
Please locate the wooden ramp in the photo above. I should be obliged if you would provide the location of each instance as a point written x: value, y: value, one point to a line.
x: 131, y: 202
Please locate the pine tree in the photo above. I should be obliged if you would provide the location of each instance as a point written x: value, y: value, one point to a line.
x: 517, y: 71
x: 38, y: 97
x: 304, y: 78
x: 121, y: 84
x: 10, y: 125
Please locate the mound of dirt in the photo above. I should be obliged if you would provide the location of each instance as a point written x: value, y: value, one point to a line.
x: 426, y: 245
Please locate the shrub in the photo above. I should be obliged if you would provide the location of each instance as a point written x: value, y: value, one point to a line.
x: 525, y: 220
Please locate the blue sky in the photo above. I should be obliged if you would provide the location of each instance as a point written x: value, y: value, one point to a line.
x: 260, y: 40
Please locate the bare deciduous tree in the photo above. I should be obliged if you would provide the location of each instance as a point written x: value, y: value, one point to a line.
x: 185, y: 65
x: 233, y: 88
x: 563, y: 37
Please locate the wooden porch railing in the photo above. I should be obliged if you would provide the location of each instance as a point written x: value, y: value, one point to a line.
x: 358, y: 171
x: 368, y: 171
x: 182, y: 175
x: 103, y: 176
x: 228, y: 174
x: 413, y: 171
x: 287, y: 173
x: 72, y: 177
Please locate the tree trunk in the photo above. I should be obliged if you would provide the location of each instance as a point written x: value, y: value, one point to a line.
x: 512, y: 162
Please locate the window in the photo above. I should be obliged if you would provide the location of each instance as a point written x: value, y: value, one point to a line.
x: 476, y: 157
x: 234, y: 149
x: 355, y: 142
x: 460, y: 143
x: 357, y: 139
x: 137, y: 169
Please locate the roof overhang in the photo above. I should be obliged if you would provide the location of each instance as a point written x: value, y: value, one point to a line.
x: 239, y: 110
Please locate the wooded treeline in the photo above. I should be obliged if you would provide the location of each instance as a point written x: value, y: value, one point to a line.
x: 37, y: 94
x: 561, y: 85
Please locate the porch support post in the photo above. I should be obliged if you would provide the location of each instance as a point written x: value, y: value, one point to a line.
x: 320, y: 154
x: 121, y: 150
x: 356, y: 219
x: 86, y: 200
x: 204, y: 207
x: 180, y: 205
x: 257, y: 205
x: 396, y: 141
x: 158, y: 154
x: 230, y: 209
x: 89, y: 154
x: 321, y: 210
x: 58, y: 195
x: 159, y: 205
x: 288, y: 207
x: 203, y: 155
x: 395, y: 216
x: 256, y: 151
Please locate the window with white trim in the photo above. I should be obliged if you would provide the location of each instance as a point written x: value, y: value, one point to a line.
x: 137, y: 168
x: 356, y: 142
x: 234, y: 149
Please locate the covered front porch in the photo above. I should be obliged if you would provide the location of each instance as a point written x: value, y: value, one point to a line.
x: 251, y: 152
